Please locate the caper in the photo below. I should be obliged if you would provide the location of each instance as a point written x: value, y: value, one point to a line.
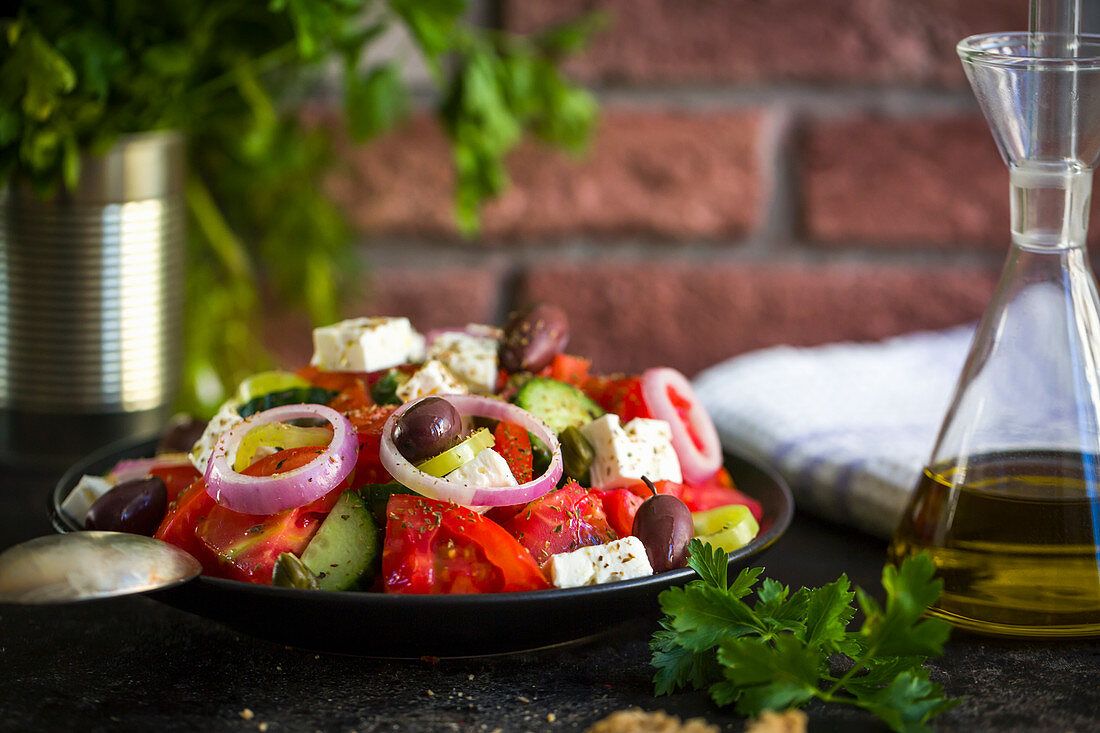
x: 290, y: 572
x: 576, y: 452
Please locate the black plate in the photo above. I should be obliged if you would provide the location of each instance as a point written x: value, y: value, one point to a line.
x: 377, y: 624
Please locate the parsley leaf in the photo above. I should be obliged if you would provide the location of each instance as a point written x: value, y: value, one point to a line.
x: 907, y: 702
x: 898, y: 630
x: 780, y: 652
x: 678, y: 666
x: 828, y: 612
x: 767, y: 675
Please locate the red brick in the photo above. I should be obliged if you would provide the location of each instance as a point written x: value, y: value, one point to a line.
x: 289, y: 338
x: 430, y: 298
x: 936, y: 182
x: 897, y: 183
x: 689, y: 316
x: 402, y: 183
x: 739, y: 41
x: 661, y: 174
x: 433, y: 297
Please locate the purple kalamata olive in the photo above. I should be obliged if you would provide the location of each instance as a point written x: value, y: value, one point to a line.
x: 426, y: 429
x: 136, y: 506
x: 181, y: 434
x: 663, y: 524
x: 533, y: 337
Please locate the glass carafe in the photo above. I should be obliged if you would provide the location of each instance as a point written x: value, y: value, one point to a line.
x: 1008, y: 505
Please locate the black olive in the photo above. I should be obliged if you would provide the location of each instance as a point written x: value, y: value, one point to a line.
x: 136, y: 506
x: 181, y: 434
x: 426, y: 429
x: 663, y: 524
x: 533, y: 337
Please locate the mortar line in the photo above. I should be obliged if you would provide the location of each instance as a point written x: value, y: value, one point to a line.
x: 397, y: 254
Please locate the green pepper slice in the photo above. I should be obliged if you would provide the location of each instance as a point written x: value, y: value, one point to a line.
x: 459, y: 455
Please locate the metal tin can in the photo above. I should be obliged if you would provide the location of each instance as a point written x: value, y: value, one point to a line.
x: 91, y: 299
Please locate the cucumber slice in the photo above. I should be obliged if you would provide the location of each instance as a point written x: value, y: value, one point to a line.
x: 458, y: 456
x: 376, y: 496
x: 384, y: 391
x: 557, y: 404
x: 346, y: 550
x: 727, y: 527
x: 289, y: 396
x: 265, y: 382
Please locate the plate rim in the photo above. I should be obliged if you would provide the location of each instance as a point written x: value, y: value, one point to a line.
x: 146, y: 444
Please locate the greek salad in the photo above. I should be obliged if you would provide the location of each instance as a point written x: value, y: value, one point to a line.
x: 473, y: 460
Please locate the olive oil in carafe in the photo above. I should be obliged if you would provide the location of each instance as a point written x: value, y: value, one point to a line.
x: 1014, y: 538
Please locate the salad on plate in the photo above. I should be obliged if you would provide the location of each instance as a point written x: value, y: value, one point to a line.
x: 473, y: 460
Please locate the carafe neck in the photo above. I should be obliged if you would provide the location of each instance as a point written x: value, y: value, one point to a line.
x: 1050, y: 204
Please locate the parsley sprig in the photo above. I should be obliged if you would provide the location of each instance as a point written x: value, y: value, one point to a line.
x: 789, y: 648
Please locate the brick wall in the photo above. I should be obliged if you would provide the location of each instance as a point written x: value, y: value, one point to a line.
x: 764, y: 172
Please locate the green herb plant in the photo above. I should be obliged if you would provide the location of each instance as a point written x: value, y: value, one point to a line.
x: 790, y: 648
x: 75, y: 75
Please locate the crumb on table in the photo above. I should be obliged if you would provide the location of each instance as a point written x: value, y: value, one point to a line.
x: 636, y: 720
x: 788, y: 721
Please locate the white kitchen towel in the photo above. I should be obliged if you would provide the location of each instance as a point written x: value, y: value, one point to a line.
x: 850, y: 426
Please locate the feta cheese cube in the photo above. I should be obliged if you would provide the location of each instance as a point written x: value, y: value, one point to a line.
x: 226, y: 417
x: 642, y: 447
x: 473, y: 358
x: 432, y: 378
x: 488, y: 469
x: 366, y: 345
x: 83, y: 495
x: 619, y: 560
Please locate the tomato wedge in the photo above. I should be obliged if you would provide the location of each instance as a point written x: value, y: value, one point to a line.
x: 620, y: 506
x: 438, y: 547
x: 718, y: 491
x: 368, y: 422
x: 338, y: 381
x: 352, y: 397
x: 178, y: 526
x: 246, y: 546
x: 621, y: 395
x: 567, y: 519
x: 514, y: 444
x: 176, y: 478
x: 342, y: 381
x: 569, y: 369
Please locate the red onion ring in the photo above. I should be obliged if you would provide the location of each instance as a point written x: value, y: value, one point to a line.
x: 131, y: 468
x: 698, y: 462
x: 272, y: 494
x: 410, y: 476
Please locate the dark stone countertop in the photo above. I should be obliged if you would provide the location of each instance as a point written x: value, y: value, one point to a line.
x: 135, y: 664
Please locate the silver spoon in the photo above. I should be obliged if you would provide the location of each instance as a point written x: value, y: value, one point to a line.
x: 81, y: 566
